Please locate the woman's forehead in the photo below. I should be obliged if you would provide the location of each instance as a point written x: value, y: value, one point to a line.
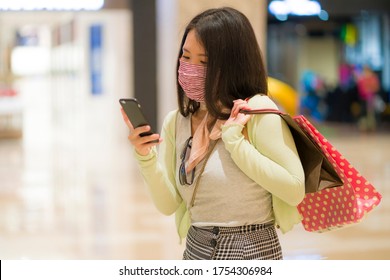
x: 192, y: 43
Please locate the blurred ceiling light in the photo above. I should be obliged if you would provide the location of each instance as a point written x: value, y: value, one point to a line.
x: 282, y: 8
x: 324, y: 15
x: 50, y: 5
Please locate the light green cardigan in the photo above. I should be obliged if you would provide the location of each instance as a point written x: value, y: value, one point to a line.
x: 269, y: 158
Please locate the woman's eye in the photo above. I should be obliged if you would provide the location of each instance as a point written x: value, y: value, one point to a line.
x: 185, y: 57
x: 204, y: 62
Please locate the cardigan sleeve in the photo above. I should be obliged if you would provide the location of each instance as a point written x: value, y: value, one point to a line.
x: 269, y: 157
x: 158, y: 169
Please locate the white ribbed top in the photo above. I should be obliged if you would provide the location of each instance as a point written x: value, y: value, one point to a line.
x: 225, y: 195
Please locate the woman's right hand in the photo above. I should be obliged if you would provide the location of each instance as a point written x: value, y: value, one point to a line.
x: 142, y: 144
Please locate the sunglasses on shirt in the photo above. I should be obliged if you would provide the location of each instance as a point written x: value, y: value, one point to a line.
x: 183, y: 176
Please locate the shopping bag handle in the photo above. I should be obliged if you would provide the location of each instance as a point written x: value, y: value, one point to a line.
x: 261, y: 111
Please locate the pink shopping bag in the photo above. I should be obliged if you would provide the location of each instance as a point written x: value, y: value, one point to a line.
x: 336, y: 207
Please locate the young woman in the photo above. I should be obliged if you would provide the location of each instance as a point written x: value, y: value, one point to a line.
x: 230, y: 178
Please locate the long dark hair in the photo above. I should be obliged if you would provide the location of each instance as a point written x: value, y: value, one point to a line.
x: 235, y: 68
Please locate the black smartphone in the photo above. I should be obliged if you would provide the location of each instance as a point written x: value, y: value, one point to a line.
x: 134, y: 112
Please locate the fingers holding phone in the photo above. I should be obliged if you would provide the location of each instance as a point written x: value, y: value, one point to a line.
x: 143, y: 144
x: 141, y: 136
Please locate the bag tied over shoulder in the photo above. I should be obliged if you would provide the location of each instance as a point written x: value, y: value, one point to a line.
x: 319, y: 172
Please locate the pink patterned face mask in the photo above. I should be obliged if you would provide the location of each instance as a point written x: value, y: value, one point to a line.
x: 192, y: 78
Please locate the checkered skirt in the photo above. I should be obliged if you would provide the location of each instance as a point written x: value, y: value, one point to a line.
x: 250, y: 242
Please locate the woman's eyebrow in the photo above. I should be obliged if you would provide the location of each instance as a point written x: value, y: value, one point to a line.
x: 200, y: 54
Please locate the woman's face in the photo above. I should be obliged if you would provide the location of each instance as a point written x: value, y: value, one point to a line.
x: 193, y: 50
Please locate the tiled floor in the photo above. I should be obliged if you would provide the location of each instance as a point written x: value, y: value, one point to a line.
x: 67, y: 193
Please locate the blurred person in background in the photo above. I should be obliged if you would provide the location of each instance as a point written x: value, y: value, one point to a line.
x: 314, y: 92
x: 342, y: 101
x: 368, y: 87
x: 230, y: 178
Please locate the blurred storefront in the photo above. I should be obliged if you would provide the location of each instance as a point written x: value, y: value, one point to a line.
x: 319, y: 44
x: 60, y: 51
x: 62, y: 71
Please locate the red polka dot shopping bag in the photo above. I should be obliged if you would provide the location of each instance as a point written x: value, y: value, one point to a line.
x: 336, y: 193
x: 336, y: 207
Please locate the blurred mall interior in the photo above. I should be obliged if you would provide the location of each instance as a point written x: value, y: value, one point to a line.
x: 69, y: 187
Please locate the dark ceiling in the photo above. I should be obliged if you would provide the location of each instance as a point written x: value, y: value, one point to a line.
x: 354, y: 7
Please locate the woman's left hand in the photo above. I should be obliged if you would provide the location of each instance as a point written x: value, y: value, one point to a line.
x: 235, y: 116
